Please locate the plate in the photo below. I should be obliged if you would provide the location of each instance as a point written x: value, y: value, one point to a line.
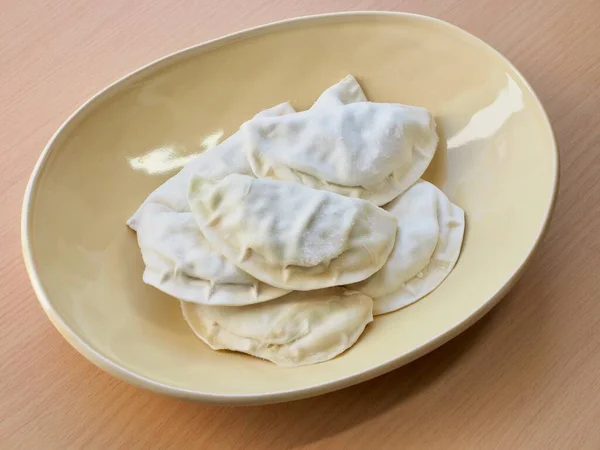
x: 497, y: 160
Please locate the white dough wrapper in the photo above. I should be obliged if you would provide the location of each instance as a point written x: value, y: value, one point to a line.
x: 178, y: 260
x: 289, y: 235
x: 297, y: 329
x: 428, y: 243
x: 373, y: 151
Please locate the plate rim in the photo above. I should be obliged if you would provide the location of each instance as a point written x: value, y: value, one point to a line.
x: 122, y: 373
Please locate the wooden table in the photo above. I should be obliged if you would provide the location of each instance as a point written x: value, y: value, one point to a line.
x: 527, y: 376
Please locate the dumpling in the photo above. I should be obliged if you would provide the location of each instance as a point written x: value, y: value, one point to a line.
x: 178, y: 260
x: 289, y: 235
x: 428, y: 243
x: 297, y: 329
x: 373, y: 151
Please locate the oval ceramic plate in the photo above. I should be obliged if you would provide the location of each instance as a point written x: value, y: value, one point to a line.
x: 497, y: 160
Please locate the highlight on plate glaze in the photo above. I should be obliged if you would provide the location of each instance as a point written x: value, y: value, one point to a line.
x: 166, y: 159
x: 486, y: 122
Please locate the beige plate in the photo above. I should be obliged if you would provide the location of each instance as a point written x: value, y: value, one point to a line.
x: 497, y: 160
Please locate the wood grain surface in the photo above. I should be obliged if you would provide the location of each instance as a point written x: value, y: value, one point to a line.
x: 527, y: 376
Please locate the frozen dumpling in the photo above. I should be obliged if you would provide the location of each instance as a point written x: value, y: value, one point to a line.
x: 373, y: 151
x: 297, y: 329
x: 429, y: 239
x: 289, y: 235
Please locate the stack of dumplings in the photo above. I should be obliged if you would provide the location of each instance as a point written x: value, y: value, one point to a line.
x: 285, y: 240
